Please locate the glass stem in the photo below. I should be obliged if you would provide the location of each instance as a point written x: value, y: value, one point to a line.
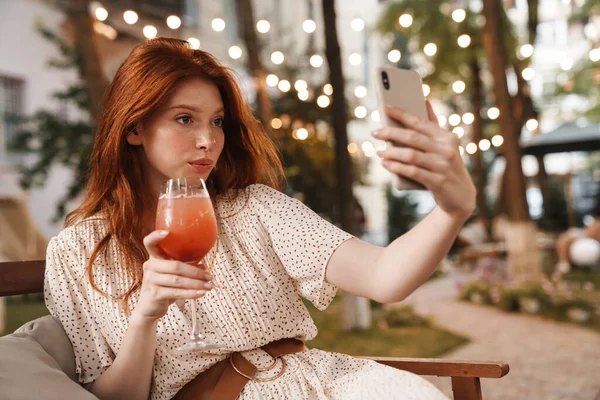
x: 196, y: 336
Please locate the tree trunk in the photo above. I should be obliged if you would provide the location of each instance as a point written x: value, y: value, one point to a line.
x: 86, y: 45
x: 523, y: 255
x: 351, y: 315
x: 479, y: 169
x: 245, y: 17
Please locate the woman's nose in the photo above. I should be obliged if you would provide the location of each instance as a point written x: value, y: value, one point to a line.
x: 204, y: 139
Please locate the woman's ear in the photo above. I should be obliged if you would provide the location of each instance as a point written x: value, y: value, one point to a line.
x: 134, y: 138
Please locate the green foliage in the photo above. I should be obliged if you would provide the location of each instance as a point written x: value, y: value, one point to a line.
x: 402, y: 213
x: 53, y: 137
x: 404, y: 316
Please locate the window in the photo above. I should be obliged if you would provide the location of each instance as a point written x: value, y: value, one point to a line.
x: 11, y: 102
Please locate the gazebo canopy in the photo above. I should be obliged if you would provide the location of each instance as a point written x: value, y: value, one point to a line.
x: 566, y: 138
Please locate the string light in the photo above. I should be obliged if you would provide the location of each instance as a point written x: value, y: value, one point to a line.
x: 497, y: 141
x: 130, y: 17
x: 355, y: 59
x: 263, y: 26
x: 532, y: 125
x: 300, y: 85
x: 360, y: 112
x: 284, y: 86
x: 484, y: 145
x: 302, y: 134
x: 173, y: 21
x: 316, y: 61
x: 276, y: 123
x: 277, y: 57
x: 459, y: 131
x: 459, y: 15
x: 352, y: 148
x: 493, y: 113
x: 360, y: 92
x: 405, y: 20
x: 328, y: 89
x: 357, y: 24
x: 218, y: 24
x: 394, y: 56
x: 526, y: 50
x: 426, y: 90
x: 459, y: 87
x: 303, y: 95
x: 323, y: 101
x: 471, y: 148
x: 464, y: 41
x: 194, y: 43
x: 566, y: 64
x: 272, y: 80
x: 105, y: 30
x: 309, y: 26
x: 595, y: 55
x: 368, y: 148
x: 461, y: 150
x: 454, y: 119
x: 442, y: 120
x: 150, y: 32
x: 101, y: 14
x: 430, y: 49
x: 528, y: 73
x: 375, y: 116
x: 235, y: 52
x: 468, y: 118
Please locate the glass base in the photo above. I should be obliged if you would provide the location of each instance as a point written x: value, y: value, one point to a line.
x: 196, y: 346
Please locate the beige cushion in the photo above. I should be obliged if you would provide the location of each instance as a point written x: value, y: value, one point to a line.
x: 37, y: 362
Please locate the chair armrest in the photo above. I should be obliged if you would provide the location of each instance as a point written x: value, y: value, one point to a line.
x: 21, y: 277
x: 440, y: 367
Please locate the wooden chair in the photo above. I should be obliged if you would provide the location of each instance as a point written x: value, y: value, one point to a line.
x: 28, y: 277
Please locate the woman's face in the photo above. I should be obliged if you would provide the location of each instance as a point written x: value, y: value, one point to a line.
x: 184, y: 136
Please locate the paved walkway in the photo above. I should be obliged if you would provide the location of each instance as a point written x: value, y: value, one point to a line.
x: 548, y: 360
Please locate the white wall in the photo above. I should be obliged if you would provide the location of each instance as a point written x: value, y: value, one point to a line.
x: 23, y: 54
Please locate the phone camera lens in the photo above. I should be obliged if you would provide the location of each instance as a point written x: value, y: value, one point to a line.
x: 386, y: 81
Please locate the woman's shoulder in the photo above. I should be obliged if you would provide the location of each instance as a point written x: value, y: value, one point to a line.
x: 247, y: 199
x: 81, y: 236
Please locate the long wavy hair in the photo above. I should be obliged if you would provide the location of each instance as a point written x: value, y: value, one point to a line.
x: 116, y: 188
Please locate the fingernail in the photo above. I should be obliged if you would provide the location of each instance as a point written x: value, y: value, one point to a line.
x: 379, y: 153
x: 201, y: 292
x: 208, y: 285
x: 376, y: 133
x: 163, y: 233
x: 209, y: 277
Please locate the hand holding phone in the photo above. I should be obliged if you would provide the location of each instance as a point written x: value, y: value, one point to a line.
x: 404, y: 89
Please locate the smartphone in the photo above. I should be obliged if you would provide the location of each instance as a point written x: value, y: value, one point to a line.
x: 401, y: 88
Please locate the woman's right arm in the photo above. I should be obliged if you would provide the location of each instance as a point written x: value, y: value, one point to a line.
x: 164, y: 282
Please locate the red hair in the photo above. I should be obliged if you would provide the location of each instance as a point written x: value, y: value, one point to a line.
x: 115, y: 187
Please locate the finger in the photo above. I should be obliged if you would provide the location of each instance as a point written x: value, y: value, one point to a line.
x: 173, y: 294
x: 180, y: 282
x: 427, y: 178
x: 410, y: 156
x: 407, y: 137
x: 172, y: 267
x: 151, y: 243
x: 410, y: 121
x: 431, y: 113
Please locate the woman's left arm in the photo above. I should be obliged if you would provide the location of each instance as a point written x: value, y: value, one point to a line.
x: 430, y: 156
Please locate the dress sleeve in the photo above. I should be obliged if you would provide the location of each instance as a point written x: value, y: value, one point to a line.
x: 66, y: 293
x: 303, y: 241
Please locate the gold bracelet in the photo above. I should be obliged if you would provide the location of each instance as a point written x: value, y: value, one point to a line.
x: 253, y: 379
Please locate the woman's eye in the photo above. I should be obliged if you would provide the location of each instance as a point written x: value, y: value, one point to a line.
x: 185, y: 119
x: 219, y: 122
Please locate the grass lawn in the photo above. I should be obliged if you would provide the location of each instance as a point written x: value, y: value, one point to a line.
x: 417, y: 341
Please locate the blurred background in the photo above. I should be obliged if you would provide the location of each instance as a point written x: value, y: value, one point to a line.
x: 517, y: 80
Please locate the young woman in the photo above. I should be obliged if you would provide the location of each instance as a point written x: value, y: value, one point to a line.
x: 173, y: 111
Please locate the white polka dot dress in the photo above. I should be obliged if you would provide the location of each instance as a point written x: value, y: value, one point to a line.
x: 272, y: 250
